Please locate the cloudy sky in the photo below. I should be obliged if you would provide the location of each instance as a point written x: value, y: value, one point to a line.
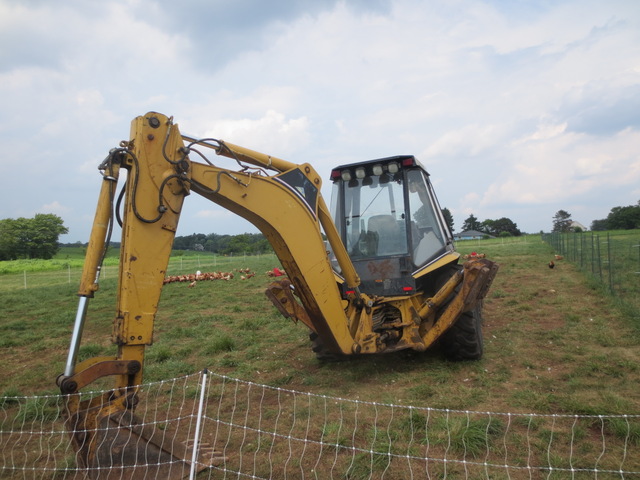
x: 518, y: 108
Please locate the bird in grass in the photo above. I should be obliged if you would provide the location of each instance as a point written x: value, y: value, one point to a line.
x: 551, y: 264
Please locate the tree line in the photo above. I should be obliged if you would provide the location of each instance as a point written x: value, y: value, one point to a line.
x: 249, y: 243
x: 38, y: 237
x: 35, y: 237
x: 619, y: 218
x: 502, y: 227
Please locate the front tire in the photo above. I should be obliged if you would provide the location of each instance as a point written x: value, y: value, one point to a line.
x: 463, y: 340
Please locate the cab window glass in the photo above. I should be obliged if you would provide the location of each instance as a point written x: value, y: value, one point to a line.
x: 301, y: 184
x: 374, y: 216
x: 427, y: 238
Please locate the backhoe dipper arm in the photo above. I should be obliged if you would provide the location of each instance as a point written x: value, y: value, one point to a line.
x: 291, y: 226
x: 289, y: 210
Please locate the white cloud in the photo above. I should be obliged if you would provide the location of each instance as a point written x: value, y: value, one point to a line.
x: 544, y: 131
x: 566, y: 166
x: 270, y: 133
x: 469, y: 140
x: 214, y: 214
x: 56, y: 208
x: 516, y: 108
x: 90, y: 98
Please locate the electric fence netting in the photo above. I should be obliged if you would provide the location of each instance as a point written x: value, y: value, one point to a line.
x: 240, y: 429
x: 612, y: 258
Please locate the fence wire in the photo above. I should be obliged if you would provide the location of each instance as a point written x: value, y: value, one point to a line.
x: 612, y: 258
x: 67, y: 275
x: 250, y: 430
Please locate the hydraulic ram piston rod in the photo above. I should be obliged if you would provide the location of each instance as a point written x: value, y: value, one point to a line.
x: 95, y: 253
x: 76, y: 336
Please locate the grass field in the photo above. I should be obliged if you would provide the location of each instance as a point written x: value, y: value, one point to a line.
x: 553, y: 341
x: 612, y: 258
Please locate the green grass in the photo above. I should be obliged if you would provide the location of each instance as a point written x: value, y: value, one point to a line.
x: 232, y: 328
x: 554, y: 343
x: 611, y: 259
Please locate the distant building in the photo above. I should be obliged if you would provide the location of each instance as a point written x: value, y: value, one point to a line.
x: 575, y: 225
x: 471, y: 235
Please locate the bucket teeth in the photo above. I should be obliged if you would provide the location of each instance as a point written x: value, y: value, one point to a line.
x: 208, y: 454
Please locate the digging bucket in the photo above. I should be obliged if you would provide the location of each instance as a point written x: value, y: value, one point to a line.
x: 111, y: 442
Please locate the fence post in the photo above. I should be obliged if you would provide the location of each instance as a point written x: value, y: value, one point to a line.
x: 196, y: 435
x: 610, y: 265
x: 593, y: 255
x: 25, y: 279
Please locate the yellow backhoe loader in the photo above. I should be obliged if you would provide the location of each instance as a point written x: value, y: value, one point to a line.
x: 376, y: 272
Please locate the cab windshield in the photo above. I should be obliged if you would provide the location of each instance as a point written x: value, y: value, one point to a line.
x: 389, y: 215
x: 374, y: 216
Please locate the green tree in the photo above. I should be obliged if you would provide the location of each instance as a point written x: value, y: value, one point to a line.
x: 501, y: 226
x: 9, y: 240
x: 487, y: 227
x: 599, y: 225
x: 250, y: 243
x: 624, y: 218
x: 561, y: 221
x: 507, y: 225
x: 471, y: 223
x: 619, y: 218
x: 239, y: 244
x: 35, y: 237
x: 45, y: 232
x: 448, y: 218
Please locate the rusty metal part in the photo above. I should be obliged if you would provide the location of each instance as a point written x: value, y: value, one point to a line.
x: 432, y: 304
x: 488, y: 276
x: 477, y: 277
x: 100, y: 369
x: 281, y: 295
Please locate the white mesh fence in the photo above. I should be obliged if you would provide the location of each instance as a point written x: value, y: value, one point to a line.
x: 240, y: 429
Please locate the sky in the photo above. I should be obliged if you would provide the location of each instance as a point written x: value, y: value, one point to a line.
x: 517, y: 108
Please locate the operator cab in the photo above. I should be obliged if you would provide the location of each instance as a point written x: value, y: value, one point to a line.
x: 390, y: 221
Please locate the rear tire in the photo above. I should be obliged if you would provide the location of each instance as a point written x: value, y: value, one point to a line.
x: 463, y: 340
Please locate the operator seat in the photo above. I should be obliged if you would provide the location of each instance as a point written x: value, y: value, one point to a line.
x: 391, y: 238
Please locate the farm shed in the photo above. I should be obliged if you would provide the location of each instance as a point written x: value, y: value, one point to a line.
x: 471, y: 235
